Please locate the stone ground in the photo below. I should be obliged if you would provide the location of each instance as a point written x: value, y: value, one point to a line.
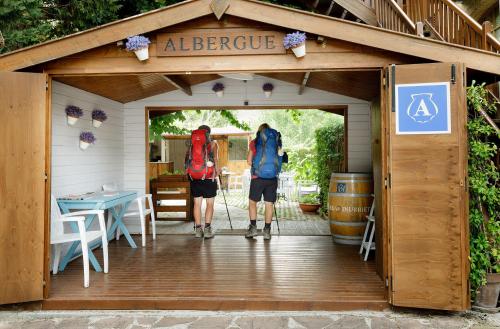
x: 291, y: 219
x: 243, y: 320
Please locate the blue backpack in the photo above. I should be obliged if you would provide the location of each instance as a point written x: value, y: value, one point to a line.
x: 266, y: 162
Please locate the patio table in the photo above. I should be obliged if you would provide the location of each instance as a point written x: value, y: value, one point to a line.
x: 98, y: 201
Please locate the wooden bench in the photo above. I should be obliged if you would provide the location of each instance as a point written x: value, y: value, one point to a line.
x: 172, y: 187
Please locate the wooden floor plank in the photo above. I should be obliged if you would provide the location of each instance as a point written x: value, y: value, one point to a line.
x: 226, y: 273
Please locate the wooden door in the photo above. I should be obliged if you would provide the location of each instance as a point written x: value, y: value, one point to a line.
x: 23, y: 112
x: 427, y: 187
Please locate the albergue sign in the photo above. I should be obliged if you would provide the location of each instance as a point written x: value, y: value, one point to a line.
x: 220, y: 43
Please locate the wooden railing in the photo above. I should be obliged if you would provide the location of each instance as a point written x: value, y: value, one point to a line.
x: 392, y: 17
x: 451, y: 23
x: 443, y: 19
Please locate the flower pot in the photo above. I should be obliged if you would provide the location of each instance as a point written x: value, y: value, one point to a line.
x: 219, y: 93
x: 267, y: 93
x: 84, y: 145
x: 309, y: 207
x: 71, y: 120
x: 488, y: 294
x: 96, y: 123
x: 142, y: 54
x: 300, y: 50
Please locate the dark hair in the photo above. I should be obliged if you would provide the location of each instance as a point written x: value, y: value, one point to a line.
x: 205, y: 127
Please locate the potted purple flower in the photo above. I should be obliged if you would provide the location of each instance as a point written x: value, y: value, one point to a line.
x: 86, y: 138
x: 98, y: 117
x: 268, y: 89
x: 218, y: 88
x: 139, y: 45
x: 73, y: 113
x: 297, y: 42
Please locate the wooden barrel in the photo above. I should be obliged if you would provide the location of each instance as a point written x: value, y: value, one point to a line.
x: 349, y: 201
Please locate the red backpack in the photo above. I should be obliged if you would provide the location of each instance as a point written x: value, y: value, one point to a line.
x: 199, y: 153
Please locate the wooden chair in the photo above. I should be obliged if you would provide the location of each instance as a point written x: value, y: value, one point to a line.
x: 142, y: 212
x: 368, y: 244
x: 58, y: 237
x: 111, y: 187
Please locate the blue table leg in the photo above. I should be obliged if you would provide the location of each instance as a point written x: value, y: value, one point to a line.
x: 71, y: 252
x: 119, y: 223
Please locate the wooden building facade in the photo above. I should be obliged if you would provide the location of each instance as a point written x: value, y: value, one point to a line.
x: 351, y: 68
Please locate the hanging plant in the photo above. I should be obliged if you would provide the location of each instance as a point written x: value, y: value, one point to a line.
x: 268, y: 89
x: 218, y: 88
x: 86, y: 138
x: 297, y: 42
x: 98, y: 117
x: 73, y: 113
x: 139, y: 45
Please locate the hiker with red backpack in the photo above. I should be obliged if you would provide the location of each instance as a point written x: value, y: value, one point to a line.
x: 202, y: 168
x: 265, y: 155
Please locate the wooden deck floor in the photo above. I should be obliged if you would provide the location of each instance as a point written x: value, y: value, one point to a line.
x: 226, y: 273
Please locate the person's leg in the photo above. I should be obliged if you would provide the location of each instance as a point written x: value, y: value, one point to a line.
x: 209, y: 210
x: 268, y: 215
x: 197, y: 216
x: 252, y: 211
x: 270, y: 199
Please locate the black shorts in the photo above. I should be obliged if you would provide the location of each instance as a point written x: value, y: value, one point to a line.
x: 263, y: 187
x: 205, y: 188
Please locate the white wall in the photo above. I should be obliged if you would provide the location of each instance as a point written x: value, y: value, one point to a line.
x: 74, y: 170
x: 236, y: 92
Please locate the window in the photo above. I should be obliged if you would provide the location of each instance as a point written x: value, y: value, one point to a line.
x: 238, y: 147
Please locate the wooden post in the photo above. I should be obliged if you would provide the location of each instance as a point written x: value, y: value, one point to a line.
x: 419, y: 29
x: 487, y: 28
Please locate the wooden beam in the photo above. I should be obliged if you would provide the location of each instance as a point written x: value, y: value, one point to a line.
x: 365, y: 35
x: 304, y: 82
x: 359, y: 9
x: 178, y: 83
x: 101, y: 35
x: 329, y: 10
x: 221, y: 64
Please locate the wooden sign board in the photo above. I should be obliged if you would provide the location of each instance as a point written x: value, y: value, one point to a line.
x: 220, y: 43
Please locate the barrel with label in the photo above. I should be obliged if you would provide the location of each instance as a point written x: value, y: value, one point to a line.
x: 349, y: 202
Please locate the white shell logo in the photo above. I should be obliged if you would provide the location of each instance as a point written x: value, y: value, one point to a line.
x: 422, y: 108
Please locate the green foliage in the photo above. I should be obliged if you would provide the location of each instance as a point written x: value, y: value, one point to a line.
x: 484, y: 189
x: 329, y: 157
x: 166, y: 124
x: 312, y: 198
x: 302, y: 162
x: 183, y: 122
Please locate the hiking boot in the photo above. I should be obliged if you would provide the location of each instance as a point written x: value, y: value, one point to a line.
x: 207, y: 232
x: 251, y: 232
x: 266, y: 232
x: 198, y: 232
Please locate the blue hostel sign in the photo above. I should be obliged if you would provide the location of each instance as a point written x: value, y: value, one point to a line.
x: 423, y: 108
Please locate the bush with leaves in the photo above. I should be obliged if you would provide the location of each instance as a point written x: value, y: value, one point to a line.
x: 329, y: 158
x: 484, y: 189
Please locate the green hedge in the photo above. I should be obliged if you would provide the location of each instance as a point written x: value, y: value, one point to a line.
x: 484, y: 189
x: 329, y: 158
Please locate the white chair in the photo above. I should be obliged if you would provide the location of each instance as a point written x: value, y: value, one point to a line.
x: 142, y: 212
x: 58, y: 237
x: 246, y: 179
x: 368, y: 245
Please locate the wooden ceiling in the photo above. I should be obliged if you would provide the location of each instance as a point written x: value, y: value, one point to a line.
x: 127, y: 88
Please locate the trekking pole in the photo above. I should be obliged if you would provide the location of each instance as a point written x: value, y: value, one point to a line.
x: 225, y: 202
x: 277, y: 222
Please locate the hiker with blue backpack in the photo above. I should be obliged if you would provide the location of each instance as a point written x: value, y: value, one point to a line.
x: 265, y: 155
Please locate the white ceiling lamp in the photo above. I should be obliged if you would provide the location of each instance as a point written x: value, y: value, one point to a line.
x: 238, y: 76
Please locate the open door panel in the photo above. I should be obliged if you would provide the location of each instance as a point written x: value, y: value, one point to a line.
x: 427, y: 206
x: 23, y: 105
